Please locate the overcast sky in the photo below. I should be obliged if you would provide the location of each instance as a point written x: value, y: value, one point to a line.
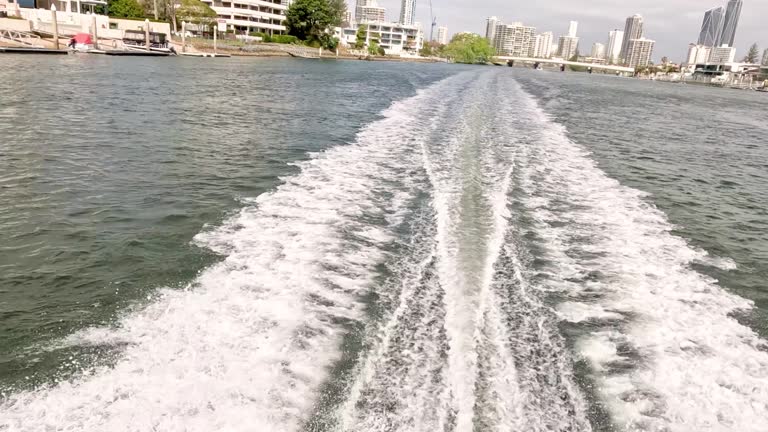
x: 673, y: 24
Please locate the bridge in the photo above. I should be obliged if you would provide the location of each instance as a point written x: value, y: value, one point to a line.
x: 609, y: 68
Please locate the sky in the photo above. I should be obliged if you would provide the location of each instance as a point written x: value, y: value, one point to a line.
x: 673, y: 24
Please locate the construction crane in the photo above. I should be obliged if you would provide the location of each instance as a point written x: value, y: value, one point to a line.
x: 434, y: 23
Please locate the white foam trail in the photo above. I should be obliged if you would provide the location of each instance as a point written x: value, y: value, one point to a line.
x: 469, y: 199
x: 676, y: 360
x: 447, y: 358
x: 247, y: 345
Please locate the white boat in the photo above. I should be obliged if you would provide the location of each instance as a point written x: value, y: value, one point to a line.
x: 135, y: 40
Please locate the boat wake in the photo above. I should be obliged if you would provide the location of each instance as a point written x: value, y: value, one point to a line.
x: 461, y: 266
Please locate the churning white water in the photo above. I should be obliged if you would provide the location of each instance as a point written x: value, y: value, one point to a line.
x: 483, y: 231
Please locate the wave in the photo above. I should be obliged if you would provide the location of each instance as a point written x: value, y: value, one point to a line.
x: 250, y: 341
x: 663, y: 349
x: 479, y: 258
x: 465, y: 347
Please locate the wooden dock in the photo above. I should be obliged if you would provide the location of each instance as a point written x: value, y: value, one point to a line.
x: 136, y: 53
x: 31, y: 50
x: 202, y: 54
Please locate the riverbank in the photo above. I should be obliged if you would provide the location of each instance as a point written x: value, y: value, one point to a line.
x: 290, y: 50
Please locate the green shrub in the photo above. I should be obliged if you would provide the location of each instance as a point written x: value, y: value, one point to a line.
x: 285, y: 39
x: 264, y: 37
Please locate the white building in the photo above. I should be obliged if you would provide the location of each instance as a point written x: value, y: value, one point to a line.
x: 698, y: 54
x: 542, y: 45
x: 722, y: 55
x: 572, y: 28
x: 251, y: 16
x: 598, y: 51
x: 514, y: 39
x: 394, y: 38
x: 567, y: 47
x: 349, y: 19
x: 633, y: 29
x: 615, y: 41
x: 75, y: 16
x: 359, y: 5
x: 408, y: 12
x: 372, y: 14
x: 442, y: 35
x: 490, y: 28
x: 639, y: 52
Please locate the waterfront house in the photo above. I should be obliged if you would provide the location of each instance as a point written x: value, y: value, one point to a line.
x: 251, y: 16
x: 74, y: 17
x: 396, y: 39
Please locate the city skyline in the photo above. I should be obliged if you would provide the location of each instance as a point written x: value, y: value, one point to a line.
x: 672, y: 26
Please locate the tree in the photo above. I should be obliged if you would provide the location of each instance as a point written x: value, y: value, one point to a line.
x: 125, y: 9
x: 308, y: 20
x: 338, y: 8
x: 765, y: 57
x: 432, y: 49
x: 751, y: 56
x: 373, y: 46
x: 469, y: 48
x: 329, y: 42
x: 360, y: 37
x: 195, y: 11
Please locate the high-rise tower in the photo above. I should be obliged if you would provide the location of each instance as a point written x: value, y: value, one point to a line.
x: 615, y: 42
x: 572, y: 28
x: 712, y: 27
x: 408, y: 12
x: 732, y: 14
x: 490, y: 28
x: 632, y: 30
x: 359, y: 5
x: 442, y: 35
x: 640, y: 52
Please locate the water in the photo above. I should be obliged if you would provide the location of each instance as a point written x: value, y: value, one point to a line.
x: 355, y: 246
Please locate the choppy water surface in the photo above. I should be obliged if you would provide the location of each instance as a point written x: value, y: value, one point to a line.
x: 333, y: 246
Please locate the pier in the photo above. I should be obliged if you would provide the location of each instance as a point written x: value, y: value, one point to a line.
x: 32, y: 50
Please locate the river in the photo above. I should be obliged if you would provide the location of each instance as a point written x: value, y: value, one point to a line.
x: 303, y: 245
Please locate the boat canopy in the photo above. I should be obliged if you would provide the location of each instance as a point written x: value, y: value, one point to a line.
x: 83, y: 38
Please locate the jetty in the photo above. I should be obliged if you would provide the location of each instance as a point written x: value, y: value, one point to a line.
x: 203, y: 54
x: 59, y: 32
x: 32, y: 50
